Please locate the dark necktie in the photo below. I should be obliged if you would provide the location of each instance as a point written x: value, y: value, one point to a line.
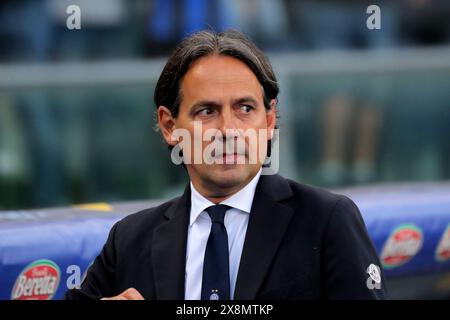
x: 216, y: 274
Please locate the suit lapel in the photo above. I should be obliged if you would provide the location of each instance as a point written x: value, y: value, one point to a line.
x: 169, y: 250
x: 267, y: 225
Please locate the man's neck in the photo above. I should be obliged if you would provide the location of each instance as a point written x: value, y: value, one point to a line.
x: 217, y: 195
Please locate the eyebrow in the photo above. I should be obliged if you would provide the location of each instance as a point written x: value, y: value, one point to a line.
x: 247, y: 99
x: 215, y: 104
x: 206, y: 103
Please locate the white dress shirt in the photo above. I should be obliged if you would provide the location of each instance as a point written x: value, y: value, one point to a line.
x: 236, y: 221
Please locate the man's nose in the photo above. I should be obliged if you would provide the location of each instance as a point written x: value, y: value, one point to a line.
x: 226, y: 124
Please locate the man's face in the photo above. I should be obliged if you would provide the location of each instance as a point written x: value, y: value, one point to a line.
x: 223, y: 95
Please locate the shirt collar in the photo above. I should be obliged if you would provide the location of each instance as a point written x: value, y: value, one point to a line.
x: 241, y: 200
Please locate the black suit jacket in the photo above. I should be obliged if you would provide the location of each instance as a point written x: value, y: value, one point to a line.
x: 302, y: 242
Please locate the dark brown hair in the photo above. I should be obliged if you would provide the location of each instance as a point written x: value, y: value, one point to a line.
x: 229, y: 43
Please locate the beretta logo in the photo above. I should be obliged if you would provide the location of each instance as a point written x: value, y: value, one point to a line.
x: 38, y: 281
x: 443, y: 248
x: 402, y: 245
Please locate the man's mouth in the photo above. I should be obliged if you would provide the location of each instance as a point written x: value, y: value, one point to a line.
x: 231, y: 158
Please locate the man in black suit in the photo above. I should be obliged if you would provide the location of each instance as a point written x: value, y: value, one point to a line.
x: 236, y: 232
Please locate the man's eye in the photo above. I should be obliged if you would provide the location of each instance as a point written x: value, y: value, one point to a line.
x: 246, y: 108
x: 204, y: 112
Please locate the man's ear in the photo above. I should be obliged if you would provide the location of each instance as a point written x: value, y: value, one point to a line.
x: 166, y: 124
x: 271, y: 117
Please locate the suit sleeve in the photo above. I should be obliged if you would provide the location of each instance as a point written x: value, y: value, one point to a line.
x: 99, y: 281
x: 349, y: 253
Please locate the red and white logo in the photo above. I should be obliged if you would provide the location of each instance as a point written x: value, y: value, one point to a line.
x: 443, y: 248
x: 38, y: 281
x: 402, y: 245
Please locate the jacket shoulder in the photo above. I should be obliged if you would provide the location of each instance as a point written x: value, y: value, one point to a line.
x: 319, y: 201
x: 313, y: 193
x: 147, y: 218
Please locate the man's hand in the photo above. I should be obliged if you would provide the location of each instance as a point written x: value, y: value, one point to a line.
x: 129, y: 294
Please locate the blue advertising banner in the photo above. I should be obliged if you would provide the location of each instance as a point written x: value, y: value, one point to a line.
x: 44, y: 252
